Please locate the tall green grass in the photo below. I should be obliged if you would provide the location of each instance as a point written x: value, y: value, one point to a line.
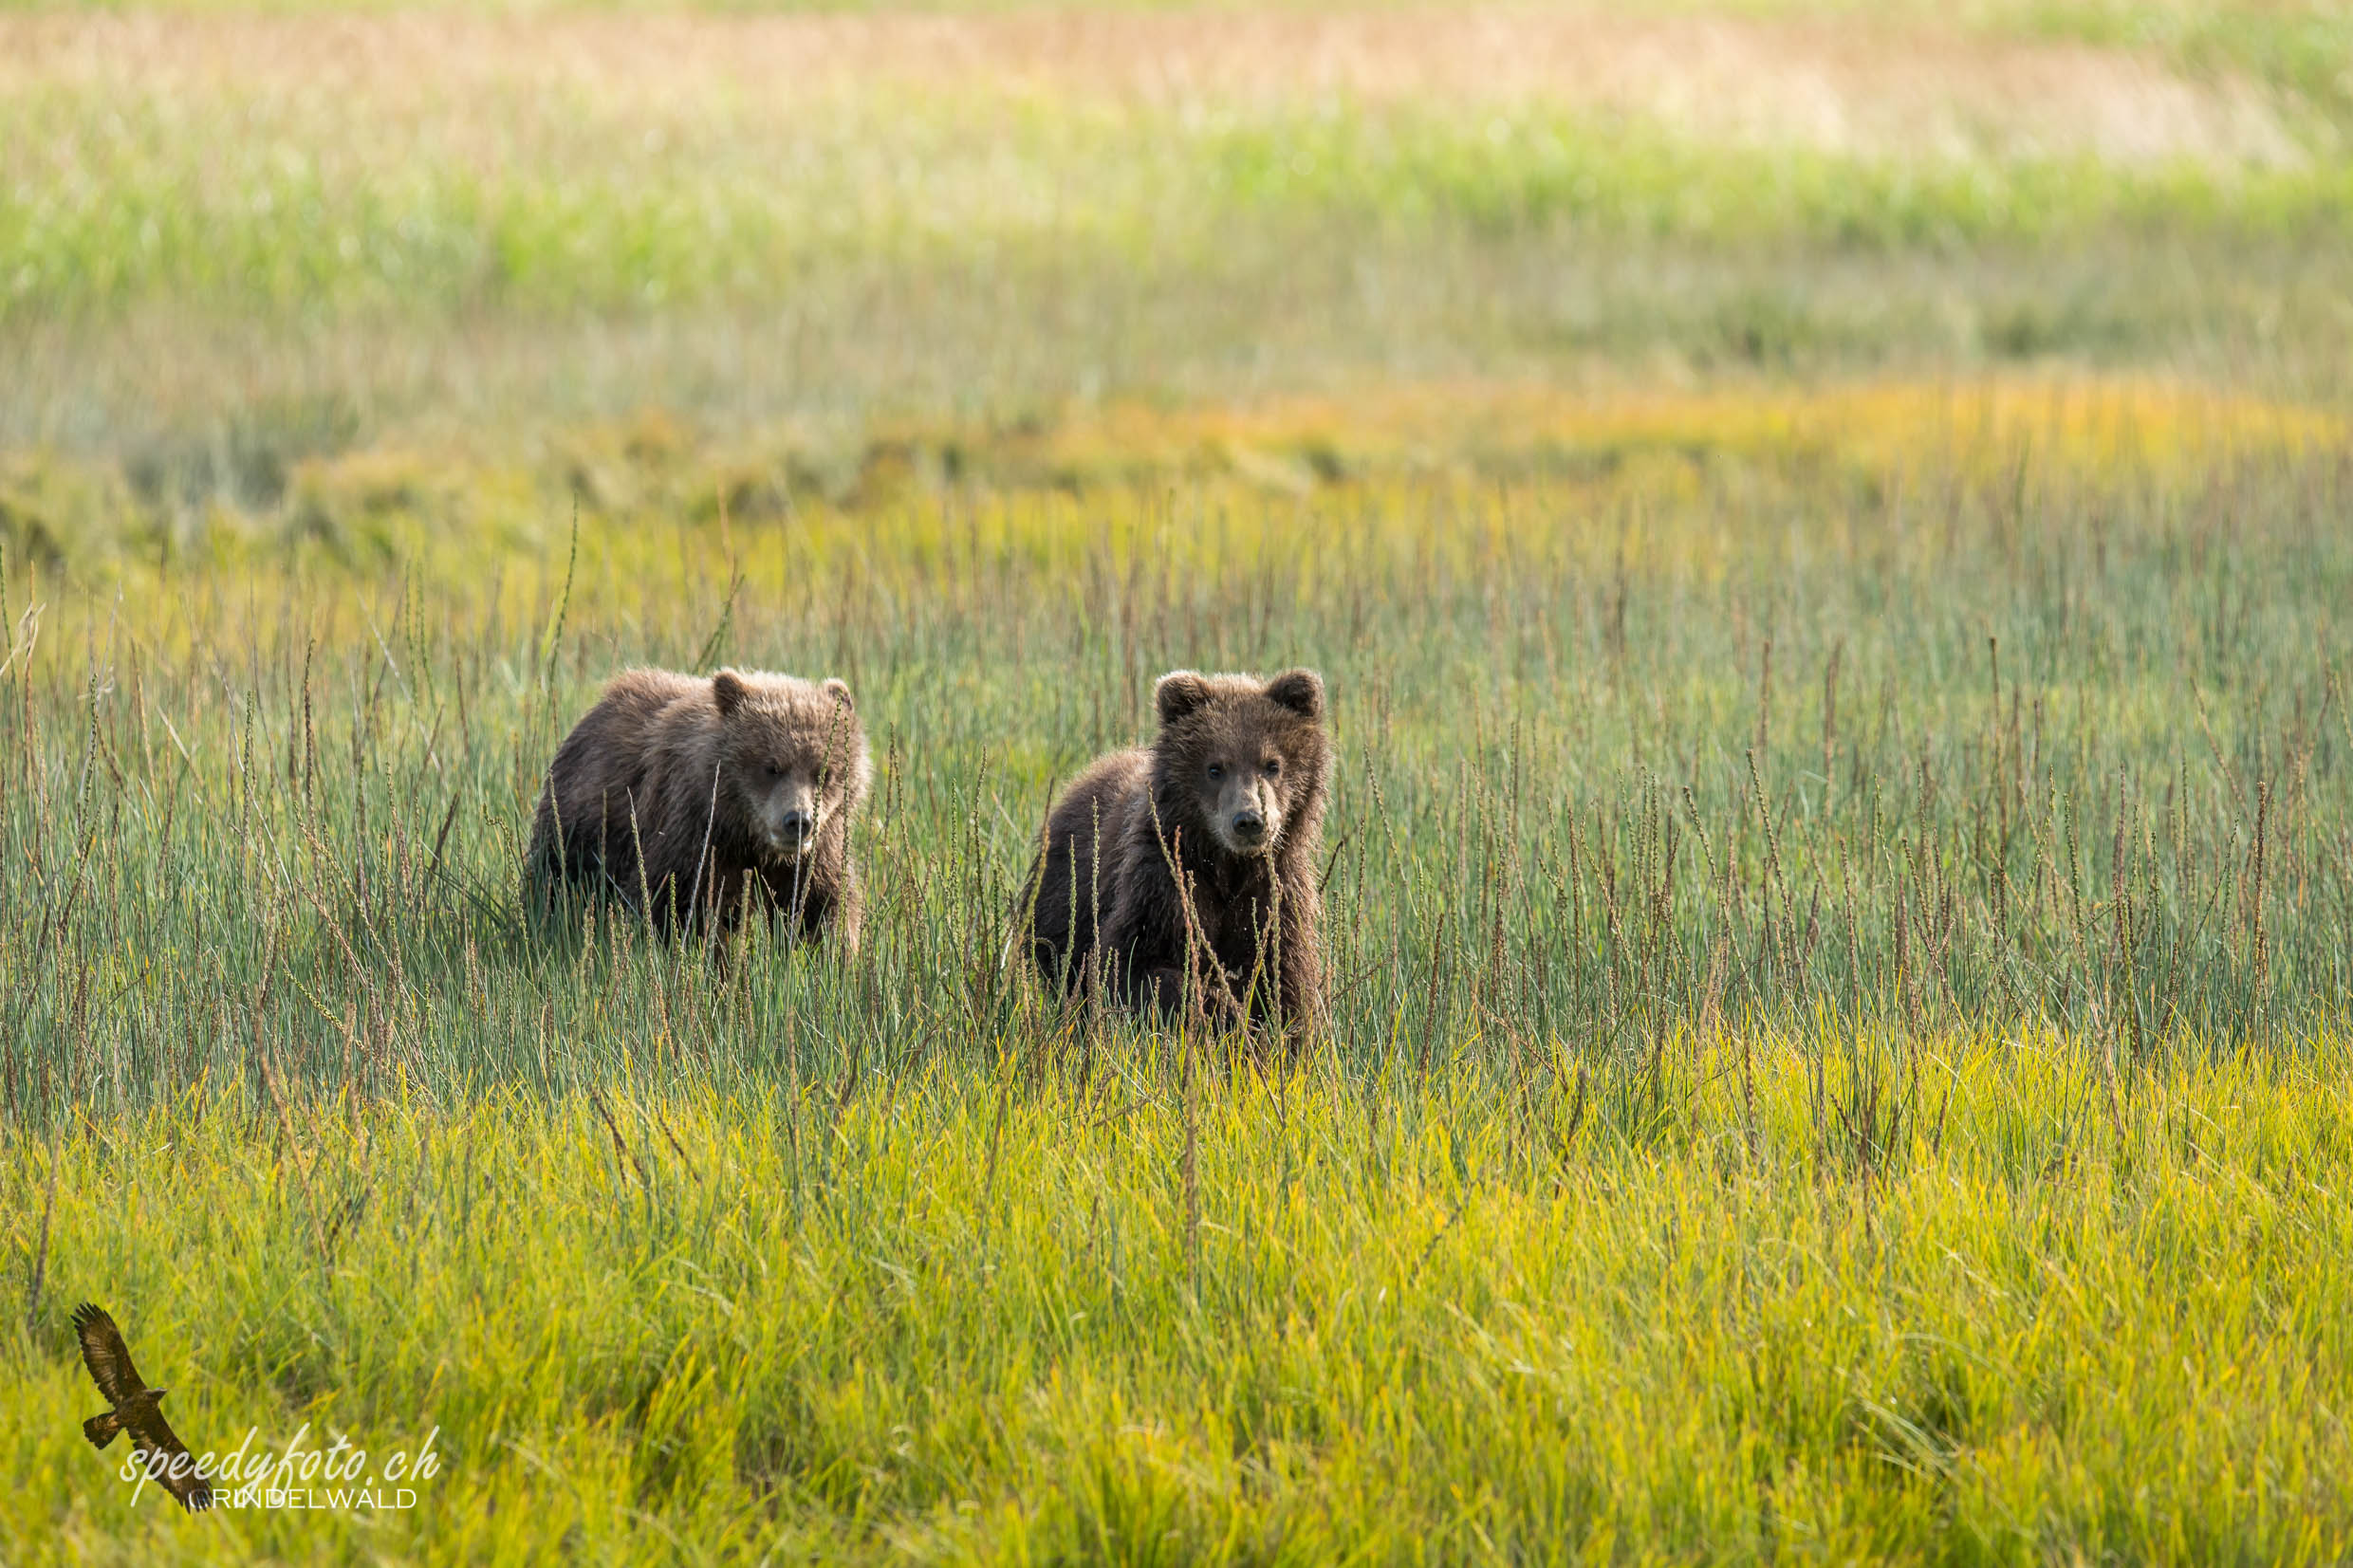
x: 1838, y: 921
x: 1720, y: 737
x: 1951, y: 1299
x: 1837, y: 899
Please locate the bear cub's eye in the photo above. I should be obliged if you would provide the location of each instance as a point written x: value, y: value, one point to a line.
x: 775, y: 770
x: 1217, y: 770
x: 1271, y: 766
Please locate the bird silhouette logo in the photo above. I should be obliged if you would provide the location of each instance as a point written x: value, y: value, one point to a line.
x: 136, y: 1408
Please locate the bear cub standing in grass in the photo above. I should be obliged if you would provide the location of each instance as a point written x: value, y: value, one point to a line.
x: 1183, y: 873
x: 682, y: 797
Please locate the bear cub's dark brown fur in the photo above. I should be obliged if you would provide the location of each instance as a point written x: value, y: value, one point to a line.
x: 685, y: 797
x: 1183, y: 873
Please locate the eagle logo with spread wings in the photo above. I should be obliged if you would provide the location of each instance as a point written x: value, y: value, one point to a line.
x: 138, y: 1408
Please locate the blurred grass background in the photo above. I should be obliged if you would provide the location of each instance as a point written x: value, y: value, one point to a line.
x: 309, y: 226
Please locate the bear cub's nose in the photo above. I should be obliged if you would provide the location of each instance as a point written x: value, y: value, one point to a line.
x: 1249, y: 824
x: 797, y: 824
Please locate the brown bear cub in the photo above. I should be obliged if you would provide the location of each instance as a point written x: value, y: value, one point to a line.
x: 685, y: 799
x: 1183, y: 873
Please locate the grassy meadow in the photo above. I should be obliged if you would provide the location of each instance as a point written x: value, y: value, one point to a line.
x: 1826, y: 534
x: 276, y: 232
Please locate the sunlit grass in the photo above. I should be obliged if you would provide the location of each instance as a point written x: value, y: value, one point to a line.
x: 210, y: 222
x: 445, y: 509
x: 553, y: 203
x: 1839, y: 915
x: 1840, y: 884
x: 1934, y: 707
x: 1971, y: 1298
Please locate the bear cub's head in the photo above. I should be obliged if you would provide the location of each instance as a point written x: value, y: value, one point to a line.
x: 1246, y: 759
x: 792, y: 759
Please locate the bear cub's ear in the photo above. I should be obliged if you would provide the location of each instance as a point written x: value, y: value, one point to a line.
x: 1301, y: 690
x: 728, y: 690
x: 839, y: 690
x: 1178, y: 692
